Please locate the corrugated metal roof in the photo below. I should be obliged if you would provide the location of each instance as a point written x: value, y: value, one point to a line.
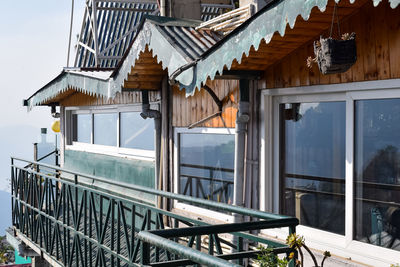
x: 175, y: 42
x: 85, y: 81
x: 117, y: 25
x: 190, y: 42
x: 262, y: 26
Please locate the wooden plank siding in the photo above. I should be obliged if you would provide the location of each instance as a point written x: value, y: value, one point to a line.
x: 378, y: 52
x: 80, y: 99
x: 188, y: 110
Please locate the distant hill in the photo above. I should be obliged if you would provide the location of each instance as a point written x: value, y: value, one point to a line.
x: 5, y: 211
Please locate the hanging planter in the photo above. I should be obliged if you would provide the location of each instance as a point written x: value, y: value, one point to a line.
x: 332, y: 55
x: 335, y: 56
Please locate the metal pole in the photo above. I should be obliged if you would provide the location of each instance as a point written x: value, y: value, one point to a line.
x: 163, y: 8
x: 70, y: 32
x: 95, y: 32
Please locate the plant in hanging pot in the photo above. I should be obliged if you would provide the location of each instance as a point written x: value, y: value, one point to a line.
x: 334, y: 56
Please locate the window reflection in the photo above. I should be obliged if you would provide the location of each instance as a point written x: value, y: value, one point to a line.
x: 206, y: 166
x: 312, y: 163
x: 105, y: 129
x: 136, y: 132
x: 377, y: 172
x: 82, y: 127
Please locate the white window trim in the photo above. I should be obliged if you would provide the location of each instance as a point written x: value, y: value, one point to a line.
x: 116, y: 151
x: 187, y: 207
x: 343, y: 246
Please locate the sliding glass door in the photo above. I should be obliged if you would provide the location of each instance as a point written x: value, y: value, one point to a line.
x: 312, y: 163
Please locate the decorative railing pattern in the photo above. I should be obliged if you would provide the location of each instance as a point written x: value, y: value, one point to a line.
x: 206, y: 186
x: 77, y: 222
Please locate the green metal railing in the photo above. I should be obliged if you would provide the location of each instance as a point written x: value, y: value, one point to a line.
x: 79, y: 220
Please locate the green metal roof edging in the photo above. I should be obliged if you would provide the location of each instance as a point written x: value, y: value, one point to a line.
x: 84, y: 82
x: 262, y: 26
x: 150, y: 36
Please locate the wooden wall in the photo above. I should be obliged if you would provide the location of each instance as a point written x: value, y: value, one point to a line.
x: 80, y: 99
x: 188, y: 110
x: 378, y: 52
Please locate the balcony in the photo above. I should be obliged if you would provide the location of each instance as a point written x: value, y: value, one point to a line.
x: 73, y: 219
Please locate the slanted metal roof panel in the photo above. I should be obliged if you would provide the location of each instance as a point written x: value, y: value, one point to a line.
x: 117, y: 24
x: 262, y: 26
x: 175, y: 42
x: 89, y: 82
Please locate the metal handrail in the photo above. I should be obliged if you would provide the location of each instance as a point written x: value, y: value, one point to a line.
x: 39, y: 199
x: 182, y: 198
x: 149, y: 238
x: 56, y: 151
x: 160, y: 239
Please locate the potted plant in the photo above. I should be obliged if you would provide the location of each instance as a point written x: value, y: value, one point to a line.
x: 334, y: 56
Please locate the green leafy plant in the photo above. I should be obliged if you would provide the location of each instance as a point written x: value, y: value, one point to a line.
x: 297, y: 242
x: 267, y: 258
x: 395, y: 265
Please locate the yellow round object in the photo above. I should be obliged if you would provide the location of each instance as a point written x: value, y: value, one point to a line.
x: 56, y: 126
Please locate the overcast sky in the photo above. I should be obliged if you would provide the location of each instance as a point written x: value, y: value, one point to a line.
x: 33, y: 50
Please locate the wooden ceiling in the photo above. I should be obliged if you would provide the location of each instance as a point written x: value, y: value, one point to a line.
x: 302, y: 33
x: 146, y: 74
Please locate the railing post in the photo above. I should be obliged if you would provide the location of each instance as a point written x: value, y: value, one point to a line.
x: 35, y: 151
x: 12, y: 191
x: 210, y: 245
x: 145, y: 249
x: 240, y: 248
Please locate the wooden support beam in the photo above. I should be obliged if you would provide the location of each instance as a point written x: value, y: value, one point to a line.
x: 241, y: 74
x: 137, y: 86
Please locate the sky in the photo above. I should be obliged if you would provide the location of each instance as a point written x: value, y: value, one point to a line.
x: 33, y: 50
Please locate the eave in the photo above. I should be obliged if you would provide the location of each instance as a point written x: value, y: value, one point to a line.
x: 267, y: 37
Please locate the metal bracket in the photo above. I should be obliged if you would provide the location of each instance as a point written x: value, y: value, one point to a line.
x: 216, y: 100
x: 214, y: 97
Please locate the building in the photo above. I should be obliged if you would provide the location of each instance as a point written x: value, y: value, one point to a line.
x: 231, y: 114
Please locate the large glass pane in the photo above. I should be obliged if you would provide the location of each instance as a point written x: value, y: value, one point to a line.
x: 312, y: 164
x: 377, y: 172
x: 105, y: 129
x: 206, y: 166
x: 136, y: 132
x: 82, y: 127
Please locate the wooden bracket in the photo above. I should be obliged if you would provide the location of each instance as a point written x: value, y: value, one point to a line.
x: 240, y: 74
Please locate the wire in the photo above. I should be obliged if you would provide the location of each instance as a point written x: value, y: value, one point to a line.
x: 70, y: 32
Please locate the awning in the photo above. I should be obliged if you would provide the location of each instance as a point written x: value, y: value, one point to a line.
x: 174, y: 42
x: 262, y: 26
x: 89, y: 82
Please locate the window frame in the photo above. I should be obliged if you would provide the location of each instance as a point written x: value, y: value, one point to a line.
x: 187, y: 207
x: 344, y: 246
x: 117, y: 151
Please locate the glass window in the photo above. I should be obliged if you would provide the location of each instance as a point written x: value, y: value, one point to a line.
x: 136, y: 132
x: 105, y: 129
x: 82, y: 127
x: 377, y: 172
x: 312, y: 164
x: 206, y: 166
